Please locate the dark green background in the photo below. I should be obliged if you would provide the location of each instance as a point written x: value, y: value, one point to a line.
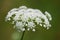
x: 52, y: 6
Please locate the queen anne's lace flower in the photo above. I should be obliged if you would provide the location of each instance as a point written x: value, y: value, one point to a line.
x: 25, y: 18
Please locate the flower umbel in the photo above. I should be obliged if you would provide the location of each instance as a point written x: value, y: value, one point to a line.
x: 25, y: 18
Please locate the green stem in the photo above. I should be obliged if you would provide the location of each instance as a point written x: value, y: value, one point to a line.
x: 22, y: 35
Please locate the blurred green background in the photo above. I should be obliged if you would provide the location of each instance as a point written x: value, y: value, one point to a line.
x: 52, y: 6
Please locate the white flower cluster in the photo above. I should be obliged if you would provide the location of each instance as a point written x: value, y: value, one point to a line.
x: 25, y: 18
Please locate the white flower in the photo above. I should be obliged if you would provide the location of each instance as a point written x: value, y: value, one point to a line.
x: 48, y: 15
x: 31, y: 25
x: 38, y: 20
x: 25, y: 18
x: 20, y: 26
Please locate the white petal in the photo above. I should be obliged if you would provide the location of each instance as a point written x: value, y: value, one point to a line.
x: 33, y: 29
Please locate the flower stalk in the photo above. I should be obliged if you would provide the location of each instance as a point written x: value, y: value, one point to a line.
x: 22, y: 35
